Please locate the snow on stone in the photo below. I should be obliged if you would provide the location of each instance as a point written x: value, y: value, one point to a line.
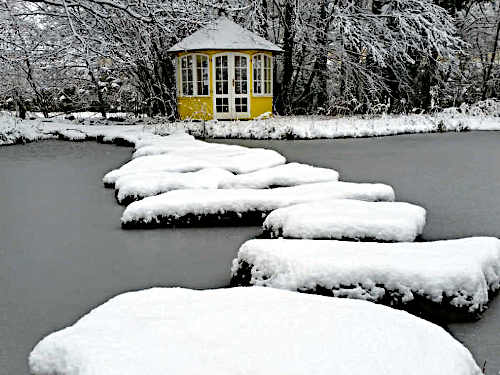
x: 283, y: 175
x: 171, y: 143
x: 347, y: 218
x: 224, y: 34
x: 133, y: 187
x: 172, y: 207
x: 257, y: 331
x: 238, y: 161
x: 136, y: 186
x: 455, y: 272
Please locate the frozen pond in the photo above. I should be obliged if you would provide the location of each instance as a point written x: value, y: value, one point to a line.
x: 62, y: 251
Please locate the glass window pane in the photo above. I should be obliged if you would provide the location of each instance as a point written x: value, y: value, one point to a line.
x: 202, y: 74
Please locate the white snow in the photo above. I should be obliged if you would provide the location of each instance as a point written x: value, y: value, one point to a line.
x: 347, y: 218
x: 179, y: 203
x: 313, y: 127
x: 146, y: 184
x: 141, y: 185
x: 463, y: 270
x: 248, y: 331
x: 291, y: 174
x: 13, y: 130
x: 224, y: 34
x: 242, y: 160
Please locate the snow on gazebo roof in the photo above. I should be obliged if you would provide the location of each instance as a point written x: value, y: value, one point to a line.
x: 224, y: 34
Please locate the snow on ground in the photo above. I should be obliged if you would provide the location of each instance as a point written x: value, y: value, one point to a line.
x: 132, y: 187
x: 347, y: 219
x: 175, y: 207
x: 455, y: 272
x: 241, y: 160
x: 295, y: 127
x: 291, y: 174
x: 313, y: 127
x: 248, y: 331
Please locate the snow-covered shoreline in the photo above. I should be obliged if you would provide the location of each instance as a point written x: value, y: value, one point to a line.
x: 15, y: 131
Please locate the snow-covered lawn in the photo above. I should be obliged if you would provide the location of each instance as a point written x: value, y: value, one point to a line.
x: 347, y: 219
x: 256, y: 331
x: 238, y: 206
x: 294, y: 127
x: 309, y: 127
x: 453, y: 276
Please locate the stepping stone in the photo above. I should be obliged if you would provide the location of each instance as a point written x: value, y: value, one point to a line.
x: 443, y: 280
x: 134, y: 187
x: 207, y: 207
x: 347, y: 219
x: 243, y: 161
x: 291, y: 174
x: 256, y: 331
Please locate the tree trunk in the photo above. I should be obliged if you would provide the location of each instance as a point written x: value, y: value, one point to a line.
x: 20, y: 107
x: 491, y: 63
x: 283, y: 98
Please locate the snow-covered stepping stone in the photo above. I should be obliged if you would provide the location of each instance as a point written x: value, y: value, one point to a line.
x: 134, y: 187
x: 239, y: 206
x: 243, y: 161
x: 186, y: 147
x: 258, y: 331
x: 447, y: 280
x: 347, y: 219
x: 291, y: 174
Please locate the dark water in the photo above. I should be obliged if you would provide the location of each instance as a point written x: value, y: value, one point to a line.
x: 62, y: 251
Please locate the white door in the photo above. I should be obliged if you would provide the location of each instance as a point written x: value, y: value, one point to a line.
x: 231, y: 73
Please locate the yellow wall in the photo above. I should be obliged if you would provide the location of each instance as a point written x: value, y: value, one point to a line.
x: 201, y: 107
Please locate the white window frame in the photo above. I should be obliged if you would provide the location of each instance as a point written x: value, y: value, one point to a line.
x: 194, y: 75
x: 231, y: 95
x: 262, y: 72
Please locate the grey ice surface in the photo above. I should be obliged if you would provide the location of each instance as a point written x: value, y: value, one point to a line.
x: 62, y: 251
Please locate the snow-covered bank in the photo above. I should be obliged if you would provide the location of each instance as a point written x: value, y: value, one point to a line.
x: 289, y: 127
x: 309, y: 127
x: 248, y: 331
x: 446, y: 280
x: 239, y: 206
x: 347, y: 219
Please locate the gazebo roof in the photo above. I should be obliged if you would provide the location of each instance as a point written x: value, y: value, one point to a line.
x: 224, y: 34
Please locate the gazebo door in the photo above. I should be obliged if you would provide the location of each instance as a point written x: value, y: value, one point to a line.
x: 231, y: 86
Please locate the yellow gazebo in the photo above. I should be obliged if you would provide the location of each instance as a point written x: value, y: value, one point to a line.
x: 224, y: 72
